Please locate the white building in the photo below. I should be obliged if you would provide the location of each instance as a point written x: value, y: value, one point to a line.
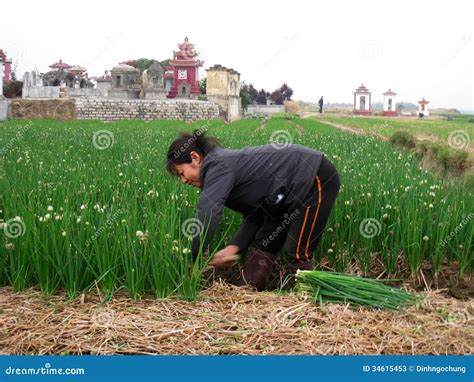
x: 389, y: 104
x: 423, y: 108
x: 362, y: 101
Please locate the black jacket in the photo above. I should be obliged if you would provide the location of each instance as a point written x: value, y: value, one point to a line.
x: 255, y: 181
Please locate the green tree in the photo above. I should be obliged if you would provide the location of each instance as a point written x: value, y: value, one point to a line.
x: 203, y: 85
x: 253, y: 93
x: 143, y: 63
x: 245, y: 95
x: 262, y: 97
x: 283, y: 93
x: 13, y: 73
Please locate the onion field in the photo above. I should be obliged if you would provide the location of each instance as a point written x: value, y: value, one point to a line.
x: 86, y: 204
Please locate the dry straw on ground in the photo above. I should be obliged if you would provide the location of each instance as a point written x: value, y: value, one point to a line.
x: 228, y: 320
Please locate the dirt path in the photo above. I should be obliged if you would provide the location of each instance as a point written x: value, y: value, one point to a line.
x: 262, y: 125
x: 355, y: 130
x: 228, y: 320
x: 299, y: 128
x: 349, y: 129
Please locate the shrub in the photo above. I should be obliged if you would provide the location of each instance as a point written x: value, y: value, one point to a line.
x: 403, y: 139
x: 13, y: 89
x: 451, y: 159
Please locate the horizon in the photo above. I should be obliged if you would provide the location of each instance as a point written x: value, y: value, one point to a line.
x: 313, y: 60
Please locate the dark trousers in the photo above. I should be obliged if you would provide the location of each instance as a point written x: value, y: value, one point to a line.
x: 300, y: 230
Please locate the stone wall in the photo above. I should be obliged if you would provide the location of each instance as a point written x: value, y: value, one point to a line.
x: 3, y: 108
x: 114, y: 110
x: 41, y: 92
x: 86, y: 92
x: 111, y: 110
x: 264, y: 109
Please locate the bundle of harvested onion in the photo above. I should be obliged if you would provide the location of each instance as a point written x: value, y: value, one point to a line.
x: 342, y: 288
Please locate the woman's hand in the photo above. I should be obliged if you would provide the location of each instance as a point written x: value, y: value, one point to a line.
x: 225, y: 257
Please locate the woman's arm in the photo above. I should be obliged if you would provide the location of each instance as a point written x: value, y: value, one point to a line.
x: 247, y: 230
x: 218, y: 183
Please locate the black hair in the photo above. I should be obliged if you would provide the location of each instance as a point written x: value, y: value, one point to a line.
x: 180, y: 149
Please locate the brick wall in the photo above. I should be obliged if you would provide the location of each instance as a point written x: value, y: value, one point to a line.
x: 114, y: 110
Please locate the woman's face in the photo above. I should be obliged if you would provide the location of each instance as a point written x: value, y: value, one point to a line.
x: 190, y: 172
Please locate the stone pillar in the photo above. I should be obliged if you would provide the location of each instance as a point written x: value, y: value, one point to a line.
x: 3, y: 100
x: 223, y: 88
x: 1, y: 79
x: 26, y: 85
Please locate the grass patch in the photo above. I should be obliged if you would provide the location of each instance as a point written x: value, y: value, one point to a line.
x: 288, y: 116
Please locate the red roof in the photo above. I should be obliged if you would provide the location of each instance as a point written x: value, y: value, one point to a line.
x: 389, y: 93
x: 362, y: 89
x: 186, y: 49
x: 186, y: 56
x: 130, y: 62
x: 186, y: 62
x: 423, y: 101
x: 60, y: 65
x: 168, y: 75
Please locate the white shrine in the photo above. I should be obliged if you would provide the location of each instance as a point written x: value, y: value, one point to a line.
x: 423, y: 108
x: 389, y: 104
x: 362, y: 101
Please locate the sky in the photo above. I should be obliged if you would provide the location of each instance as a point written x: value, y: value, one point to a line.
x: 416, y: 48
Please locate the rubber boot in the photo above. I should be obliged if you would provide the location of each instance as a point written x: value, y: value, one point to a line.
x: 258, y: 269
x: 305, y: 266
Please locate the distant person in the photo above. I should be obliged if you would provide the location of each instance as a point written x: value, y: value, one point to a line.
x: 285, y: 206
x: 321, y: 103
